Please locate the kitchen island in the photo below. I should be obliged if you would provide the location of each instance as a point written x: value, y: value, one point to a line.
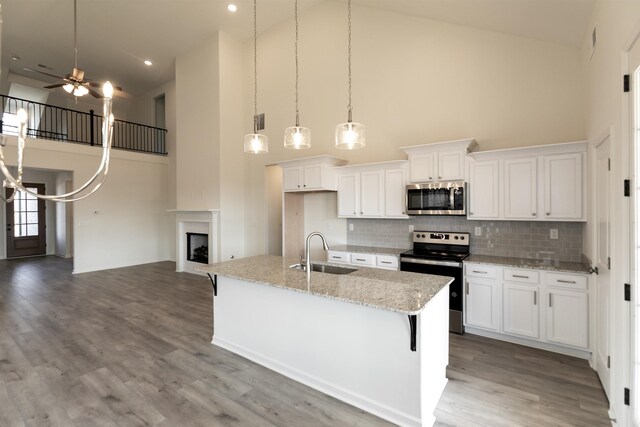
x: 376, y: 339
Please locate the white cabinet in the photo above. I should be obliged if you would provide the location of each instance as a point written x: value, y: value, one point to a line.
x: 482, y: 297
x: 440, y: 161
x: 484, y: 190
x: 395, y: 188
x: 372, y: 191
x: 310, y: 174
x: 521, y: 188
x: 563, y: 181
x: 567, y: 309
x: 545, y: 183
x: 386, y: 262
x: 521, y: 310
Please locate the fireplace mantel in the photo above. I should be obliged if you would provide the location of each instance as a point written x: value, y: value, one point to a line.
x: 199, y: 221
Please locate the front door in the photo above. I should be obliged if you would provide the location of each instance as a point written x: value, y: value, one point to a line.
x: 603, y: 312
x: 26, y: 231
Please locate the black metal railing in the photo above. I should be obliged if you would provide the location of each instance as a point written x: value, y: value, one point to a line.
x: 63, y: 124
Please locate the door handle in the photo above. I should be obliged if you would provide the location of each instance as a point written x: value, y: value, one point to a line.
x: 535, y: 297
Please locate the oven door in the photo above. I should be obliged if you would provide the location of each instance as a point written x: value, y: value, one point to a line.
x: 448, y: 269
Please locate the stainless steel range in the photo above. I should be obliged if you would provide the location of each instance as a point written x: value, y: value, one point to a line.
x: 440, y: 254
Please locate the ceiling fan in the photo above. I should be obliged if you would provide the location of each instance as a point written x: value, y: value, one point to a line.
x: 75, y: 83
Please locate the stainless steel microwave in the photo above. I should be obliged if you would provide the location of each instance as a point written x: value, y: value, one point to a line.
x: 437, y: 198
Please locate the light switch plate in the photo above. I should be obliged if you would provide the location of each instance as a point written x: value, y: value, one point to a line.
x: 411, y: 228
x: 351, y: 227
x: 478, y: 231
x: 553, y: 233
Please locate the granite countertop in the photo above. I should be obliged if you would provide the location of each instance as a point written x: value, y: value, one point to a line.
x: 539, y: 264
x: 367, y: 250
x: 397, y: 291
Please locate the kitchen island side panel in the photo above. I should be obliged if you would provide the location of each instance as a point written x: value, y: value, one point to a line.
x: 358, y: 354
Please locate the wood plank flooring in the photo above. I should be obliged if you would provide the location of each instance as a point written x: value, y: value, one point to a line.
x: 131, y: 346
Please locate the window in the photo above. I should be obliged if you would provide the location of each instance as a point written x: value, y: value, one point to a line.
x: 25, y: 214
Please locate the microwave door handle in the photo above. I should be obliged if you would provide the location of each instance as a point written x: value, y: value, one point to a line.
x: 452, y: 198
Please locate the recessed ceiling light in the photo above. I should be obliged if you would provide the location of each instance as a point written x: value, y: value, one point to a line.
x: 15, y: 57
x: 148, y: 63
x: 232, y: 7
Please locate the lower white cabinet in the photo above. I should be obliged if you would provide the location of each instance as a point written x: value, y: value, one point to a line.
x: 568, y: 317
x: 547, y: 309
x: 521, y: 310
x: 386, y: 262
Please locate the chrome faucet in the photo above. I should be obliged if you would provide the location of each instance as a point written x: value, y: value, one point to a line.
x: 308, y: 252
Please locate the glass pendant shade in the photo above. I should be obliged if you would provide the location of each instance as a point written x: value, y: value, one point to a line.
x: 256, y: 143
x: 68, y: 87
x: 80, y: 91
x: 297, y: 138
x: 350, y: 136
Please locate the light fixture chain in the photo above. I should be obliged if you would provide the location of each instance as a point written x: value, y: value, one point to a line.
x: 75, y: 32
x: 349, y: 53
x: 296, y: 49
x: 255, y: 64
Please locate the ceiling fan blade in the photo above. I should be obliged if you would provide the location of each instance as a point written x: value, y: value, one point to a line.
x: 42, y: 72
x: 94, y: 93
x: 54, y: 86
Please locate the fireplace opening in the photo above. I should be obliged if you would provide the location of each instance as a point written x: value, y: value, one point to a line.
x: 198, y: 247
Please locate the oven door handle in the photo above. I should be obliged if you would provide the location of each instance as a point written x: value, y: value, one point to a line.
x: 430, y: 262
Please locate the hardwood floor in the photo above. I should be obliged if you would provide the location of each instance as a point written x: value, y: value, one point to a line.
x: 131, y: 346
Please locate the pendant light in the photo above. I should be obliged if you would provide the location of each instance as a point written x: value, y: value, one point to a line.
x: 349, y: 135
x: 297, y: 137
x: 255, y: 142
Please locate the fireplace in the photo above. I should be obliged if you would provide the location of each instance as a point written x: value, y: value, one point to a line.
x: 198, y: 248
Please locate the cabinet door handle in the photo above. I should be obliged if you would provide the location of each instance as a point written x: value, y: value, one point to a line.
x: 520, y: 276
x: 533, y: 214
x: 467, y: 283
x: 535, y: 297
x: 548, y: 213
x: 550, y: 305
x: 360, y: 259
x: 336, y: 257
x: 439, y: 177
x: 566, y: 281
x: 430, y: 177
x: 361, y: 213
x: 481, y: 272
x: 385, y: 262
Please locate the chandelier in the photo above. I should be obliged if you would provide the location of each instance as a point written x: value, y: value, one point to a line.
x: 89, y: 187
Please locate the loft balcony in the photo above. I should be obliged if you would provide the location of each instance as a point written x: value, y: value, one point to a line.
x: 62, y: 124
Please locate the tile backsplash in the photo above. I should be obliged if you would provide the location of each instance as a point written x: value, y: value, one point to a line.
x: 523, y: 239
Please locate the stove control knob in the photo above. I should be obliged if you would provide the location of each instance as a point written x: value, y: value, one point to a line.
x: 423, y: 236
x: 455, y: 237
x: 461, y: 237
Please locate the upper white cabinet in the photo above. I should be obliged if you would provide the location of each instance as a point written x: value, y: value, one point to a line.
x: 484, y: 190
x: 440, y: 161
x: 310, y: 174
x: 544, y: 183
x: 372, y: 191
x: 563, y: 186
x: 521, y: 188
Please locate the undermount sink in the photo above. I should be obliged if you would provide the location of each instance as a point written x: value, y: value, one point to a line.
x: 323, y: 268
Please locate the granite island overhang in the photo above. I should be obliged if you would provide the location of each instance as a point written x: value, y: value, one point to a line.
x: 376, y: 339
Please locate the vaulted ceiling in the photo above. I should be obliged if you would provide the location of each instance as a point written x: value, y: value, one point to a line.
x: 115, y: 36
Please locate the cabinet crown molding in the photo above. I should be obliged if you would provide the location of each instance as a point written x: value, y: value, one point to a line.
x: 468, y: 144
x: 329, y: 160
x: 535, y: 150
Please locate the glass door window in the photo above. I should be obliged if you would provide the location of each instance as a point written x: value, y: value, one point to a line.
x: 25, y: 214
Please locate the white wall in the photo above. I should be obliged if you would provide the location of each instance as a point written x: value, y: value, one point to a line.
x: 125, y: 222
x: 615, y: 21
x: 414, y: 81
x: 64, y: 217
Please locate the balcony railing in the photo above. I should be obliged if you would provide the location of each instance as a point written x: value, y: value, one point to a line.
x: 62, y: 124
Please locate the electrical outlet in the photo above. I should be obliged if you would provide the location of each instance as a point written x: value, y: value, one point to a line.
x: 411, y: 228
x: 351, y: 227
x: 553, y: 233
x: 478, y: 231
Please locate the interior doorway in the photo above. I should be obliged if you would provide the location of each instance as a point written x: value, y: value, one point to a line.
x: 26, y: 223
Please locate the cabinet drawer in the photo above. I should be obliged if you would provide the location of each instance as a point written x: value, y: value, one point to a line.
x: 363, y: 259
x: 484, y: 271
x: 565, y: 280
x: 337, y: 256
x: 521, y: 276
x: 386, y: 261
